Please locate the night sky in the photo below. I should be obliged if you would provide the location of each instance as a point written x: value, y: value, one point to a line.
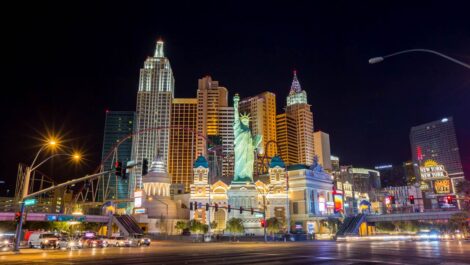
x: 65, y: 64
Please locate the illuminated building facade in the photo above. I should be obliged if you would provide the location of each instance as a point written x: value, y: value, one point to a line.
x: 295, y: 127
x: 437, y: 141
x: 262, y: 110
x: 182, y: 140
x: 213, y: 119
x: 226, y: 120
x: 154, y: 99
x: 321, y: 143
x: 118, y: 124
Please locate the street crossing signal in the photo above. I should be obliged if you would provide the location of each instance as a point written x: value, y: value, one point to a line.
x: 252, y: 211
x: 191, y: 206
x: 449, y: 199
x: 195, y: 205
x: 118, y: 168
x: 263, y: 223
x: 229, y: 208
x: 145, y: 166
x: 17, y: 217
x: 241, y: 210
x: 207, y: 207
x: 412, y: 199
x: 216, y: 207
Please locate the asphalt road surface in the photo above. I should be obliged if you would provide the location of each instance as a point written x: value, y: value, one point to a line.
x: 316, y: 252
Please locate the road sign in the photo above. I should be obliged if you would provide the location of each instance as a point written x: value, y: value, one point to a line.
x: 30, y: 202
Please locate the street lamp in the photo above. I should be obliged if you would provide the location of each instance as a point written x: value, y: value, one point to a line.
x: 379, y: 59
x: 26, y: 180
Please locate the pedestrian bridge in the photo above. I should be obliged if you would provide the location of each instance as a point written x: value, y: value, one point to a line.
x: 442, y: 215
x: 44, y: 217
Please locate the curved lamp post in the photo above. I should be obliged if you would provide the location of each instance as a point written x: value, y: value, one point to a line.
x: 379, y: 59
x: 26, y: 180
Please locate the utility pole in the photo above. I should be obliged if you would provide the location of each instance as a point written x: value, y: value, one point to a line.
x: 264, y: 218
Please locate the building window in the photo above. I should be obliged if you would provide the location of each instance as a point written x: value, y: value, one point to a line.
x: 295, y: 208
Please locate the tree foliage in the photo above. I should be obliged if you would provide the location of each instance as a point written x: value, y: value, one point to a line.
x: 181, y: 225
x: 235, y: 226
x: 458, y: 221
x: 273, y: 225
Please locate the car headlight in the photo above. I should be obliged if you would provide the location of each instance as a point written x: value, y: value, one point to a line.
x: 71, y: 244
x: 46, y: 241
x: 5, y: 242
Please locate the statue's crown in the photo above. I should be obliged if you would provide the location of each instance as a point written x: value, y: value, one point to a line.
x: 245, y: 116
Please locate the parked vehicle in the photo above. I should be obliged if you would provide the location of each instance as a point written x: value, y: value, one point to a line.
x: 43, y: 240
x: 69, y: 243
x: 117, y: 241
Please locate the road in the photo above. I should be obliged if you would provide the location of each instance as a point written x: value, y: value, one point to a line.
x: 316, y: 252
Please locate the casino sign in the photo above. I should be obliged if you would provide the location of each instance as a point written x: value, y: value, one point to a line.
x: 432, y: 171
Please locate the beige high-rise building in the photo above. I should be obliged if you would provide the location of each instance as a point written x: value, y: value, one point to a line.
x: 287, y: 139
x: 262, y: 109
x: 214, y: 123
x: 298, y: 125
x: 182, y: 140
x: 321, y: 143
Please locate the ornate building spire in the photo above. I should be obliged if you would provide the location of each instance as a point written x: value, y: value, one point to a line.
x: 295, y: 87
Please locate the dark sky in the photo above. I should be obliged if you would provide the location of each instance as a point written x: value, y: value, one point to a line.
x: 66, y: 63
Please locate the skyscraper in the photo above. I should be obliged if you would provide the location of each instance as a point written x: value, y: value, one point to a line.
x: 183, y: 140
x: 226, y: 116
x: 298, y: 120
x: 262, y: 109
x: 118, y: 124
x: 322, y: 149
x: 154, y: 98
x: 287, y: 139
x: 212, y: 114
x: 437, y: 141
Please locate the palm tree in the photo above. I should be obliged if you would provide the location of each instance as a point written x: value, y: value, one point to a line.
x: 235, y: 226
x: 273, y: 225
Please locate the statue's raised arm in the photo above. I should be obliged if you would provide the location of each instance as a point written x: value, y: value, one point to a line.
x: 236, y: 99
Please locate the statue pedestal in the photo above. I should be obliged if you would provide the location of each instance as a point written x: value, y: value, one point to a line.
x: 245, y: 194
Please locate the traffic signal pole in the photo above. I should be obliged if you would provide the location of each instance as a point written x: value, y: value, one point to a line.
x: 26, y: 195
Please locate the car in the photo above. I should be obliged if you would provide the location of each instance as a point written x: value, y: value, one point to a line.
x: 69, y: 243
x: 96, y: 242
x: 6, y: 242
x: 43, y: 240
x: 138, y: 240
x: 117, y: 241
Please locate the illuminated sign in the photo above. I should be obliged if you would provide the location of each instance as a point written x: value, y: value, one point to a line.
x: 442, y: 186
x: 139, y: 210
x: 383, y: 167
x: 138, y: 198
x: 338, y: 201
x: 321, y: 204
x: 431, y: 170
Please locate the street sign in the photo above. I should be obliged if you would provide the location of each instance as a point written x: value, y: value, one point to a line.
x: 30, y: 202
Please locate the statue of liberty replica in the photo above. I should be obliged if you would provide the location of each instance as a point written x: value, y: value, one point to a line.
x: 245, y: 145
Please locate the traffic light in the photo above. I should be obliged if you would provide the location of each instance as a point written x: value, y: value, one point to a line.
x: 241, y: 210
x: 216, y: 207
x: 252, y: 211
x: 191, y: 206
x: 195, y: 205
x: 118, y: 168
x: 207, y: 206
x: 145, y: 166
x: 392, y: 199
x: 263, y: 223
x: 229, y: 208
x: 412, y: 199
x: 17, y: 217
x: 449, y: 200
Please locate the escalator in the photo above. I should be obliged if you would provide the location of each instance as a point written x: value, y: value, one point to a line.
x: 127, y: 225
x: 351, y: 225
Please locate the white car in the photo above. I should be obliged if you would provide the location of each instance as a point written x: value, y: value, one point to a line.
x: 117, y: 241
x: 69, y: 243
x: 43, y: 240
